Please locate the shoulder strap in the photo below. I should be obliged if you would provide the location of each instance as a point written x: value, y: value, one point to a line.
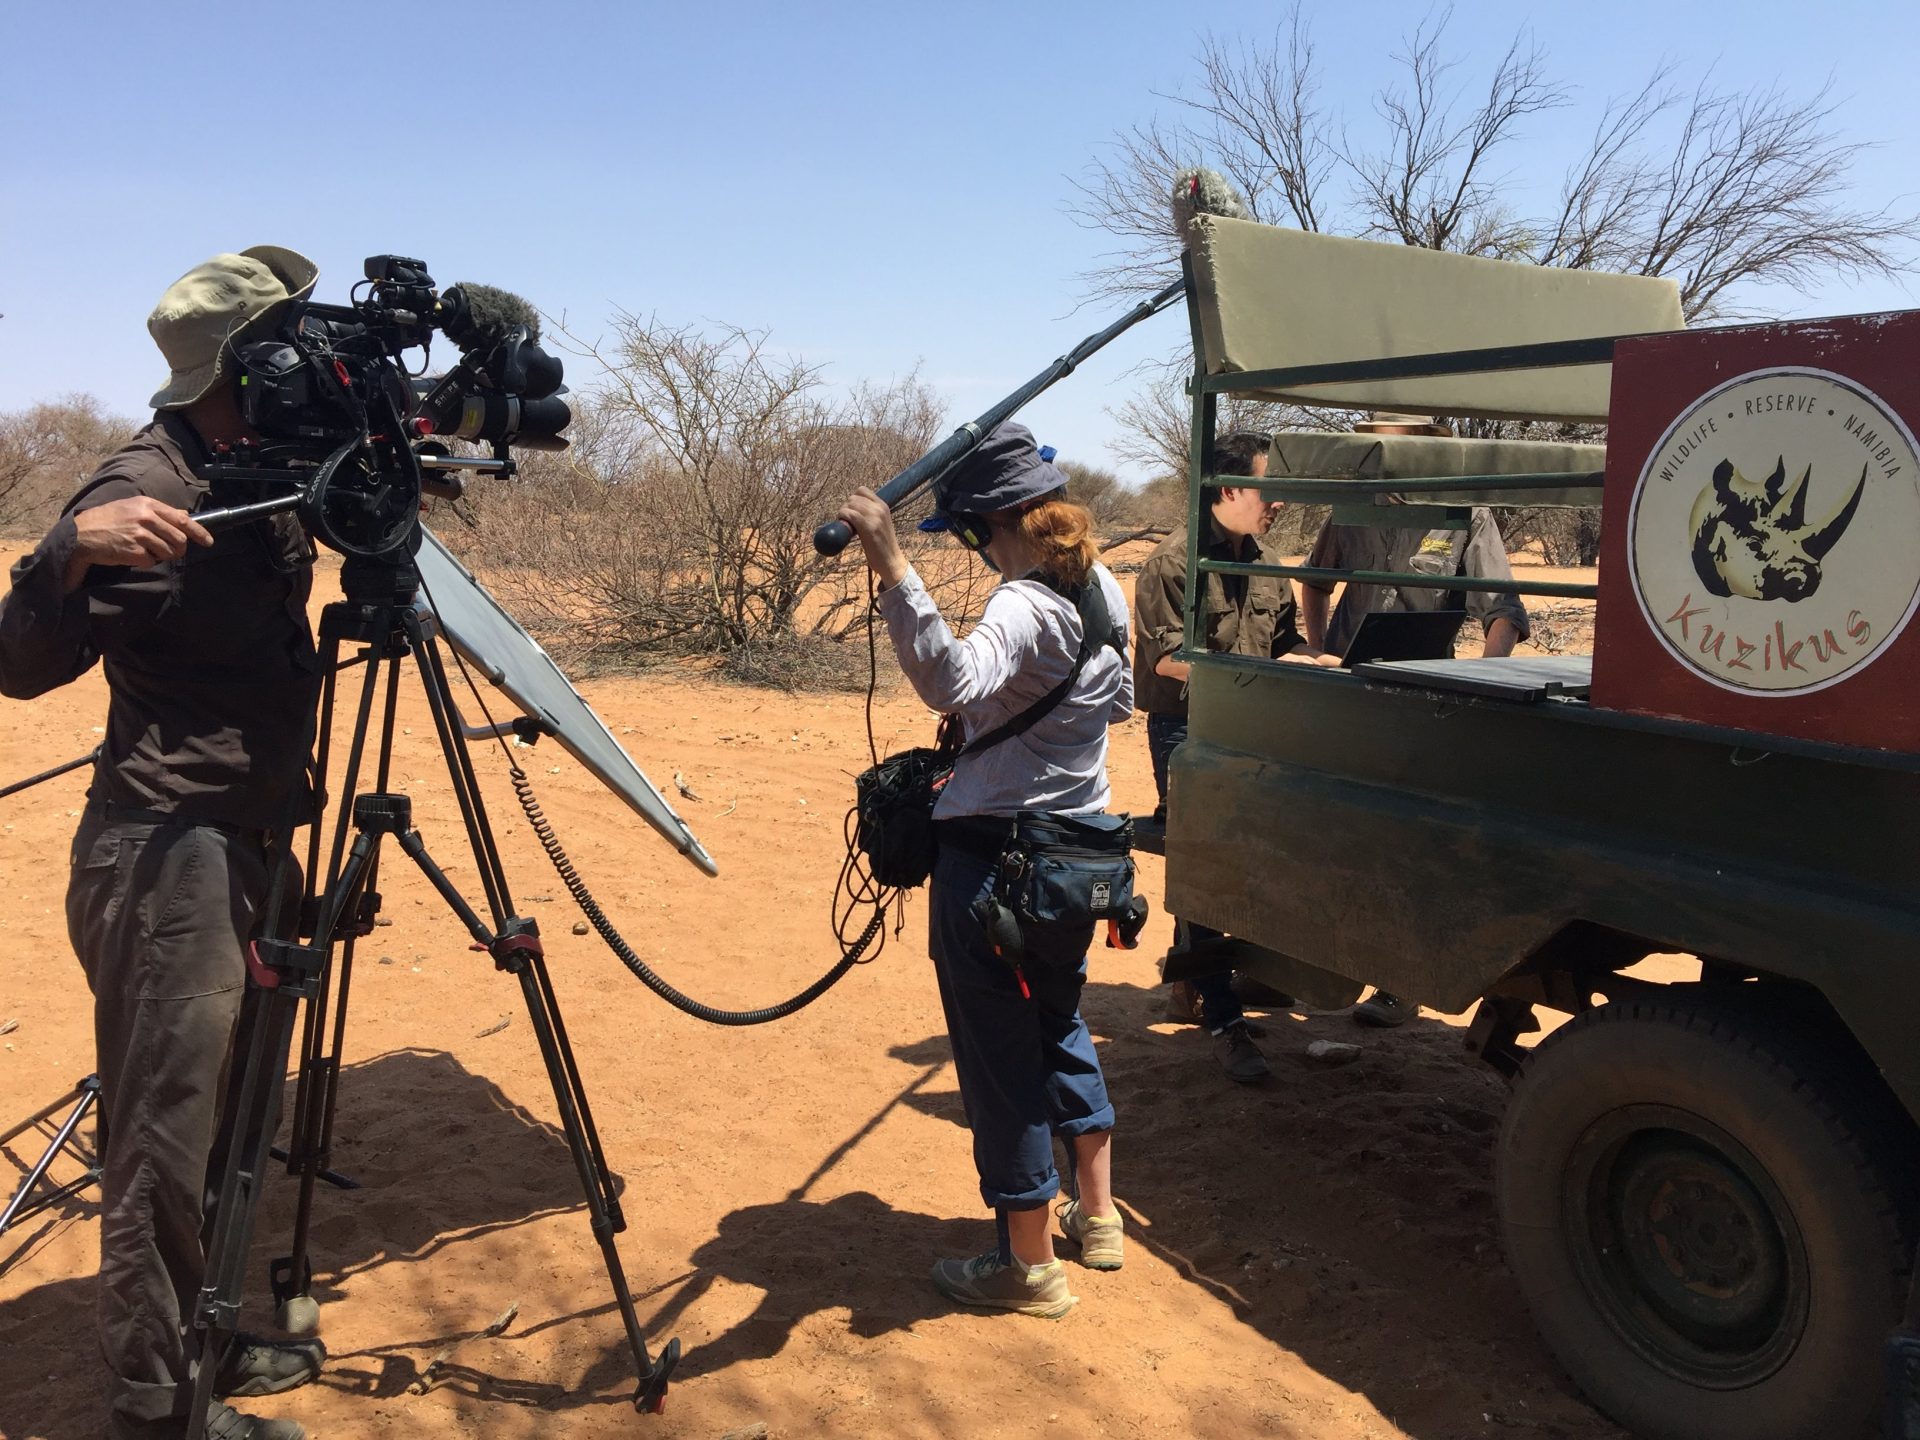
x: 1097, y: 630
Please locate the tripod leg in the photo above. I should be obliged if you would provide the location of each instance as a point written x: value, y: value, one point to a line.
x: 19, y: 1207
x: 286, y: 974
x: 517, y: 950
x: 596, y: 1180
x: 347, y: 906
x: 217, y: 1312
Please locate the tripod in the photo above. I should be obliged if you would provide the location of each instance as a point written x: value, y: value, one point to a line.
x: 340, y: 908
x: 85, y: 1095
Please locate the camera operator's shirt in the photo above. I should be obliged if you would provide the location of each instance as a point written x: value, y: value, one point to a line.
x: 1023, y: 646
x: 209, y: 659
x: 1239, y: 614
x: 1478, y: 551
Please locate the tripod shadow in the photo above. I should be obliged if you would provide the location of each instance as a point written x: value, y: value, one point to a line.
x: 494, y: 1167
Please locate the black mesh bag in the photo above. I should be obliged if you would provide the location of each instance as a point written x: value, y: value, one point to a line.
x: 893, y: 802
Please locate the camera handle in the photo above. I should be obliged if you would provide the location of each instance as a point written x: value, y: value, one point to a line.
x: 440, y: 477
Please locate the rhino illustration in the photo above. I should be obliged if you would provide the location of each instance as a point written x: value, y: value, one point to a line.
x: 1752, y: 538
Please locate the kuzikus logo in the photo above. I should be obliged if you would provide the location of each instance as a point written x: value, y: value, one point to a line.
x: 1774, y: 536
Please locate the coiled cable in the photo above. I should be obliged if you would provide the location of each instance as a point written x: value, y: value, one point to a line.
x: 543, y: 829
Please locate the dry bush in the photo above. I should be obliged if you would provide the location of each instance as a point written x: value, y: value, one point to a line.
x: 1569, y: 538
x: 47, y: 450
x: 680, y: 523
x: 1113, y: 503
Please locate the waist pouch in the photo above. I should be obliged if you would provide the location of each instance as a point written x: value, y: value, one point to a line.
x: 1058, y: 876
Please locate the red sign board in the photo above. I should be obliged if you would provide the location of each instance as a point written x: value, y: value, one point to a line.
x: 1760, y: 556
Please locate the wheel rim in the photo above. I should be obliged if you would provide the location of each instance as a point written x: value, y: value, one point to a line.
x: 1686, y: 1246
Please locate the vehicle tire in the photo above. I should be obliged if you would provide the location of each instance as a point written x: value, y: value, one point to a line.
x: 1691, y: 1200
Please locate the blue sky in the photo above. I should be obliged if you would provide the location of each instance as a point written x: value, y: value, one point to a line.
x: 881, y: 186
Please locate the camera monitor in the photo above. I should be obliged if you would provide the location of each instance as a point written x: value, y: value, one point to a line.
x: 490, y: 640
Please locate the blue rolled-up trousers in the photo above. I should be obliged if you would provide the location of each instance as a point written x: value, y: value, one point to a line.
x: 1027, y: 1066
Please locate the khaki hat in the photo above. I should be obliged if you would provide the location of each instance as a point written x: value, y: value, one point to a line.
x: 216, y: 302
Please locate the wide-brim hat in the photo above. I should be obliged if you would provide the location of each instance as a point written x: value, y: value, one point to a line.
x: 1004, y: 470
x: 217, y: 303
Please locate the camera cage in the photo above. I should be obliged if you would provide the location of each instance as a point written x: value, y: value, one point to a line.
x: 351, y: 435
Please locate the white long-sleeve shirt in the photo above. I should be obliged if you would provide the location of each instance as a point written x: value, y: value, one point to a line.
x: 1023, y: 646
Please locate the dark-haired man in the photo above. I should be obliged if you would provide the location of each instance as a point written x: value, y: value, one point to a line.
x: 212, y: 673
x: 1240, y: 615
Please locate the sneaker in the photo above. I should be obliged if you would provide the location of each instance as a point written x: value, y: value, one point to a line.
x: 1183, y: 1003
x: 226, y: 1423
x: 1254, y: 991
x: 1239, y: 1056
x: 1383, y: 1010
x: 253, y: 1366
x: 1102, y: 1239
x: 983, y: 1281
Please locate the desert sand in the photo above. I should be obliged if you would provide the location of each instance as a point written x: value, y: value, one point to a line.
x: 1315, y: 1257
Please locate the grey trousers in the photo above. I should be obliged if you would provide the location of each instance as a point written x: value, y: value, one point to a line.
x: 159, y: 916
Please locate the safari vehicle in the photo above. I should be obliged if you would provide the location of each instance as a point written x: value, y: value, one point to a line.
x: 1706, y: 1189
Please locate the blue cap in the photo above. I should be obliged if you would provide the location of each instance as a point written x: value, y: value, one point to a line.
x: 1004, y: 470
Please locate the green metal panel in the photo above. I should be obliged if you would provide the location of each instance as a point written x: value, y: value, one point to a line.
x: 1401, y: 577
x: 1546, y: 489
x: 1411, y: 517
x: 1431, y: 845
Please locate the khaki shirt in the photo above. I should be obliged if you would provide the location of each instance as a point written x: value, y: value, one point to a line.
x: 1478, y: 550
x: 209, y: 659
x: 1240, y: 614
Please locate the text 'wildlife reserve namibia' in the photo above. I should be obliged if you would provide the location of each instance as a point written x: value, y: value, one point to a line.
x: 1774, y: 538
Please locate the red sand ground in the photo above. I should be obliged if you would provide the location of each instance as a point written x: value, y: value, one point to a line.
x: 1316, y: 1257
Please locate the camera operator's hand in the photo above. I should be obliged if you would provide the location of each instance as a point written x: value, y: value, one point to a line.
x: 138, y: 531
x: 867, y: 515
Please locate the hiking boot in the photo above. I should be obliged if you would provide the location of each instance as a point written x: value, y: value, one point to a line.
x: 1383, y: 1011
x: 1254, y: 991
x: 1102, y: 1239
x: 1183, y: 1003
x: 226, y: 1423
x: 253, y: 1366
x: 1239, y: 1056
x: 986, y: 1282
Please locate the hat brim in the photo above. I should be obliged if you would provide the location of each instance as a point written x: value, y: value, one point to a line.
x: 296, y: 272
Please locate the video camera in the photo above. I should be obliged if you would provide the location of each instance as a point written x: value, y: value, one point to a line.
x: 350, y: 435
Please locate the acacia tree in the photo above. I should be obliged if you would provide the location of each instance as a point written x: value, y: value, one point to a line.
x: 48, y: 449
x: 1720, y: 190
x: 680, y: 521
x: 1723, y: 191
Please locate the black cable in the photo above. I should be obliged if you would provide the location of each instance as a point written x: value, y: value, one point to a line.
x: 856, y: 885
x: 644, y: 973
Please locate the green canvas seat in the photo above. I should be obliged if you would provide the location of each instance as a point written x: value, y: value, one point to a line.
x: 1269, y: 298
x: 1338, y: 455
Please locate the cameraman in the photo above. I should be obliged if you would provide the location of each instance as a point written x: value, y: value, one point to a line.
x: 213, y: 678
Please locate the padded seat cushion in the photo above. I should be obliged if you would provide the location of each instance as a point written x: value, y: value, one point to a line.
x: 1339, y: 455
x: 1269, y: 298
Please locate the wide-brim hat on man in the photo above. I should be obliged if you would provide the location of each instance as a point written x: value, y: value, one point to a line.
x: 214, y: 304
x: 1005, y: 470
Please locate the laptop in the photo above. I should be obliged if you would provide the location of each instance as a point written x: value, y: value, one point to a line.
x: 1403, y: 635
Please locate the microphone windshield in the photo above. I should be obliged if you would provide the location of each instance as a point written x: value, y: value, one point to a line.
x: 486, y: 314
x: 1205, y: 192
